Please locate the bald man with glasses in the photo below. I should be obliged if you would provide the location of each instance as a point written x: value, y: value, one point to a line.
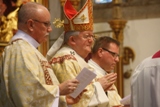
x: 26, y: 77
x: 105, y: 55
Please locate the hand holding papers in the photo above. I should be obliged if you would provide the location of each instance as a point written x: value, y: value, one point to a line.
x: 84, y: 78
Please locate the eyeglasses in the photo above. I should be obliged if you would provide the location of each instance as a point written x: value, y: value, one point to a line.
x: 47, y: 24
x: 115, y: 55
x: 89, y: 37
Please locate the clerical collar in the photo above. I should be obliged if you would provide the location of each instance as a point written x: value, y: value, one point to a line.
x: 100, y: 70
x: 22, y: 35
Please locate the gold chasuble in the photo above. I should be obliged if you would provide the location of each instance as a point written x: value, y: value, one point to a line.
x: 67, y: 64
x: 26, y: 78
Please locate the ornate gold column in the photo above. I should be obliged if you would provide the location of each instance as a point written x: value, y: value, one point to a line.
x: 117, y: 24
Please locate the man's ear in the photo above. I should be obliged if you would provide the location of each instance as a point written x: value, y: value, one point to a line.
x: 30, y: 24
x: 72, y: 40
x: 100, y: 52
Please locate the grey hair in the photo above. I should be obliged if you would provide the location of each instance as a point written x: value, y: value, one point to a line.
x: 27, y: 11
x: 69, y: 34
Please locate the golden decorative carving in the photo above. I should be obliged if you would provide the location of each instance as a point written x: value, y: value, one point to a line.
x: 128, y: 54
x: 8, y: 22
x: 8, y: 26
x: 128, y: 57
x: 117, y: 26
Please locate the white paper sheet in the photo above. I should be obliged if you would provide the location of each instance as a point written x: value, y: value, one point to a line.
x: 84, y: 77
x: 126, y: 100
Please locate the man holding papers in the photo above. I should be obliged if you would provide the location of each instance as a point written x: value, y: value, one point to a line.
x: 26, y: 77
x: 67, y: 54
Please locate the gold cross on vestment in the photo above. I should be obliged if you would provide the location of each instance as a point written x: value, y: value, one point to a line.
x: 83, y: 17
